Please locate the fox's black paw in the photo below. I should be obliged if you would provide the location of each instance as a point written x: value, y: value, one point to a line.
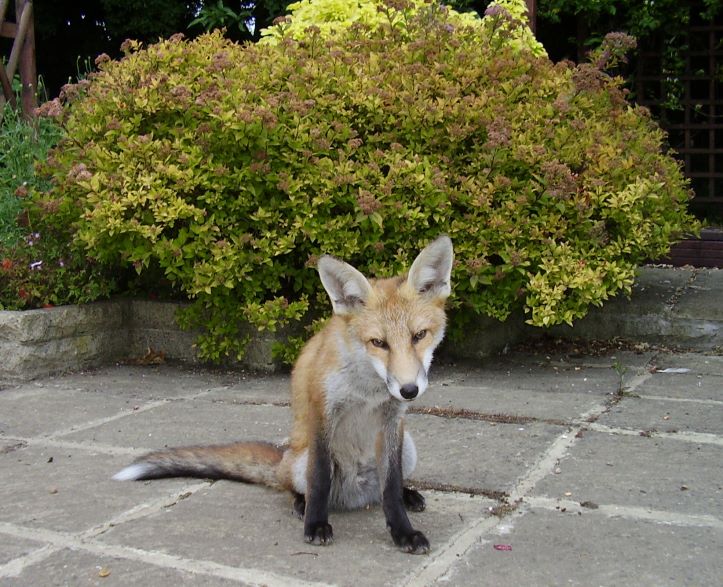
x: 413, y: 500
x: 414, y: 543
x: 299, y: 505
x: 319, y: 533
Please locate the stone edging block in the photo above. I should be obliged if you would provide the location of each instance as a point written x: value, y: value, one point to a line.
x: 675, y: 307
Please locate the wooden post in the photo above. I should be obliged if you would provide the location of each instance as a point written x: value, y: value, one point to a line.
x: 5, y: 84
x: 22, y: 56
x: 532, y: 14
x: 28, y: 71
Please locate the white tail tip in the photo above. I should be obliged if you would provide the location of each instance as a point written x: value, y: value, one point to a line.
x: 133, y: 472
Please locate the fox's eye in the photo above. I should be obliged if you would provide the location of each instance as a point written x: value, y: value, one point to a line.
x: 419, y: 336
x: 379, y: 343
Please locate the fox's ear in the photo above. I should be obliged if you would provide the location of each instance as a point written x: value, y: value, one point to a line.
x: 430, y: 273
x: 346, y: 286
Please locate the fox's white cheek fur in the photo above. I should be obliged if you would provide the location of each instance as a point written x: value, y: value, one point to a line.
x: 427, y: 359
x: 379, y: 367
x: 429, y: 353
x: 422, y: 381
x: 393, y: 388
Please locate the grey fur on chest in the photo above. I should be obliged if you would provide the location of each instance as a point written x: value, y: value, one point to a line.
x: 358, y: 408
x: 353, y: 432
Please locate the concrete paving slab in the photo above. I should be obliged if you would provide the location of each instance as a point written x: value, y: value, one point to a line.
x: 543, y: 386
x: 559, y: 354
x: 665, y: 416
x: 57, y: 410
x: 72, y: 568
x: 8, y: 445
x: 271, y: 388
x: 529, y: 373
x: 197, y: 422
x: 544, y: 405
x: 494, y: 455
x: 67, y: 490
x: 12, y: 547
x: 699, y: 364
x: 683, y: 386
x: 189, y: 423
x: 551, y: 548
x: 252, y: 527
x: 656, y: 473
x: 148, y: 381
x: 482, y: 389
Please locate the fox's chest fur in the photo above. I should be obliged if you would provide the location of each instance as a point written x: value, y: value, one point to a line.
x: 353, y: 433
x: 356, y: 407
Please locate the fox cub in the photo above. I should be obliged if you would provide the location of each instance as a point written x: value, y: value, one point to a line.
x: 350, y: 389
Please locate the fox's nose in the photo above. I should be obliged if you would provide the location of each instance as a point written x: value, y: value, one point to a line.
x: 409, y: 391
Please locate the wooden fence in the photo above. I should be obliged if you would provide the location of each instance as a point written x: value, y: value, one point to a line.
x: 22, y: 56
x: 695, y: 130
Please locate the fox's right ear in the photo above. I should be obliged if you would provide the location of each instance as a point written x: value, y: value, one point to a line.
x: 346, y: 286
x: 431, y: 271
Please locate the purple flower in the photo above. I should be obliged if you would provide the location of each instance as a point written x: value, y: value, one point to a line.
x: 52, y: 109
x: 79, y: 172
x: 102, y: 58
x: 495, y: 10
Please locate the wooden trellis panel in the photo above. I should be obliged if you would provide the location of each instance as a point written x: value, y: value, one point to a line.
x: 695, y: 131
x: 22, y: 55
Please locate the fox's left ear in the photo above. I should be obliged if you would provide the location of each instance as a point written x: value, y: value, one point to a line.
x: 430, y: 273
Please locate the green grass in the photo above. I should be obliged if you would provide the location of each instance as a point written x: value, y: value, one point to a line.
x: 22, y: 145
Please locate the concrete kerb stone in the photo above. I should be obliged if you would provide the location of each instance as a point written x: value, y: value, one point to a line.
x: 675, y: 307
x: 38, y: 343
x: 35, y: 343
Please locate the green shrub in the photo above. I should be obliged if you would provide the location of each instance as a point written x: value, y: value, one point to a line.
x: 330, y: 17
x: 232, y: 168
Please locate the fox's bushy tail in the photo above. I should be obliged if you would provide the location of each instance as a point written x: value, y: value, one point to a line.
x: 250, y: 462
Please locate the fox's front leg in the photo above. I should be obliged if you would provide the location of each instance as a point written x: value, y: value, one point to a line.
x: 317, y: 529
x: 391, y: 477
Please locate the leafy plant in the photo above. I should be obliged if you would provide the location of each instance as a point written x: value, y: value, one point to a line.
x: 38, y: 265
x: 232, y: 168
x: 330, y: 17
x: 662, y: 24
x: 22, y: 144
x: 326, y: 18
x: 620, y: 370
x: 219, y: 16
x: 42, y: 270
